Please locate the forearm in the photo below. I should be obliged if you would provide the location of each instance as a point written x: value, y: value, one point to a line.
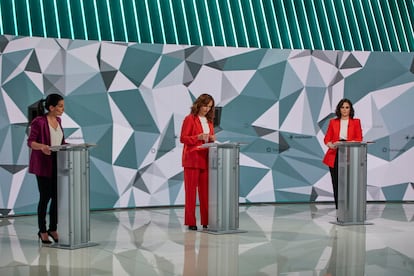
x: 38, y: 146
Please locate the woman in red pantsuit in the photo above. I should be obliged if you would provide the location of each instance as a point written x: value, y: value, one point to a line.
x: 196, y: 130
x: 343, y: 128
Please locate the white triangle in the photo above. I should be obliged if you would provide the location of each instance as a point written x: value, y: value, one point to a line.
x: 219, y: 53
x: 385, y: 96
x: 123, y: 178
x: 208, y: 81
x: 113, y: 53
x: 249, y: 162
x: 17, y: 182
x: 301, y: 67
x: 326, y: 71
x: 263, y: 191
x: 269, y: 119
x: 162, y: 108
x: 68, y: 122
x: 299, y: 119
x: 15, y: 115
x: 325, y: 108
x: 36, y: 78
x: 121, y: 83
x: 148, y: 81
x: 239, y: 79
x: 122, y: 130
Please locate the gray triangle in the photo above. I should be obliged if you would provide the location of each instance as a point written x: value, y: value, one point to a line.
x: 283, y: 145
x: 139, y: 182
x: 13, y: 168
x: 262, y: 131
x: 33, y: 64
x: 3, y: 43
x: 351, y: 62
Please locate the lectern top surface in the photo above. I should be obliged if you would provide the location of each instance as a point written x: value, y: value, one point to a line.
x: 222, y: 144
x: 72, y: 146
x: 353, y: 143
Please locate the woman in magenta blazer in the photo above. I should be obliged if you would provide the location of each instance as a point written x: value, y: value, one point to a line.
x: 196, y: 130
x: 342, y: 128
x: 45, y: 131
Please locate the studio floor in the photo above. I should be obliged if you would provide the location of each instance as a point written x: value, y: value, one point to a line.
x: 279, y: 239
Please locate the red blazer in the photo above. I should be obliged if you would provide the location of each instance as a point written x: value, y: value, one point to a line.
x: 193, y: 156
x: 332, y: 135
x: 41, y: 164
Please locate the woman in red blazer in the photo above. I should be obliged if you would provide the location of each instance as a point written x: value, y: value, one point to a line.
x: 342, y: 128
x: 196, y: 130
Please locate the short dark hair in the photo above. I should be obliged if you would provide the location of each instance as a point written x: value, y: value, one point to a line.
x: 338, y: 108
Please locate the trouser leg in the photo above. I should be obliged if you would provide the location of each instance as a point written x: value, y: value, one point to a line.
x: 43, y: 184
x: 190, y: 186
x: 203, y: 196
x: 334, y: 177
x: 53, y: 196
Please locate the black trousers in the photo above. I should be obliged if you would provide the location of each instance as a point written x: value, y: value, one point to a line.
x: 47, y: 193
x: 334, y: 177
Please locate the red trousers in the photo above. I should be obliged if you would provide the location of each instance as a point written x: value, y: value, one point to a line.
x: 195, y: 180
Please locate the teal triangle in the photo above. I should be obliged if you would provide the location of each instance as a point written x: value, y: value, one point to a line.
x: 167, y: 139
x: 395, y: 192
x: 127, y: 157
x: 167, y: 65
x: 249, y: 177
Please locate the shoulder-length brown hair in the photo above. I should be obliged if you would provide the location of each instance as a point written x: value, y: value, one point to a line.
x: 339, y: 105
x: 203, y: 100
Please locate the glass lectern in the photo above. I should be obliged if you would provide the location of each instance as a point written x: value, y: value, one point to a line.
x: 223, y: 209
x: 73, y: 195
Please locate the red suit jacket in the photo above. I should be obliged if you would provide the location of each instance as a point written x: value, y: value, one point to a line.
x: 332, y: 135
x: 193, y: 156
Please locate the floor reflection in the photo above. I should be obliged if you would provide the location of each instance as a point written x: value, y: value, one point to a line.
x: 348, y: 251
x: 285, y: 239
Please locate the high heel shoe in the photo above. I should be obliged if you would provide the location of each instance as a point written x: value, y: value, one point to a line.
x: 46, y: 241
x: 50, y: 233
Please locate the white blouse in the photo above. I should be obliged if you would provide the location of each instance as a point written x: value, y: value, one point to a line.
x: 56, y: 136
x: 204, y: 124
x: 343, y: 133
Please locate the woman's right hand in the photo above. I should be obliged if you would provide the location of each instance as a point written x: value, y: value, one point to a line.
x: 45, y: 149
x: 203, y: 136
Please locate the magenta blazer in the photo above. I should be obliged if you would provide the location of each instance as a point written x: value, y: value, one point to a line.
x: 41, y: 164
x: 193, y: 156
x: 332, y: 135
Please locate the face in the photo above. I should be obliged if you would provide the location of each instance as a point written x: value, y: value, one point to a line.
x: 345, y: 110
x: 58, y: 109
x: 205, y: 109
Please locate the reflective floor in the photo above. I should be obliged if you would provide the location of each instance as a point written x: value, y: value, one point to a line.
x: 285, y: 239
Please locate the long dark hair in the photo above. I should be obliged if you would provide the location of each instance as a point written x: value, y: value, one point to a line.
x: 203, y: 100
x: 44, y: 104
x: 351, y: 108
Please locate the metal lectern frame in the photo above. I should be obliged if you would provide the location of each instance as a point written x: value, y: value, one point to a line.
x: 352, y: 183
x: 73, y: 196
x: 223, y: 209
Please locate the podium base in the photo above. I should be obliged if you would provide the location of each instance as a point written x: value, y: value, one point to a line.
x: 351, y: 223
x: 222, y: 232
x: 77, y: 246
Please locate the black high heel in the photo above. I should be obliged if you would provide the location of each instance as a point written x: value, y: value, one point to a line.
x: 43, y: 241
x: 53, y: 237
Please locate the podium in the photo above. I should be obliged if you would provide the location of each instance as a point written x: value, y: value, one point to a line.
x: 352, y: 183
x: 223, y: 194
x: 73, y: 195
